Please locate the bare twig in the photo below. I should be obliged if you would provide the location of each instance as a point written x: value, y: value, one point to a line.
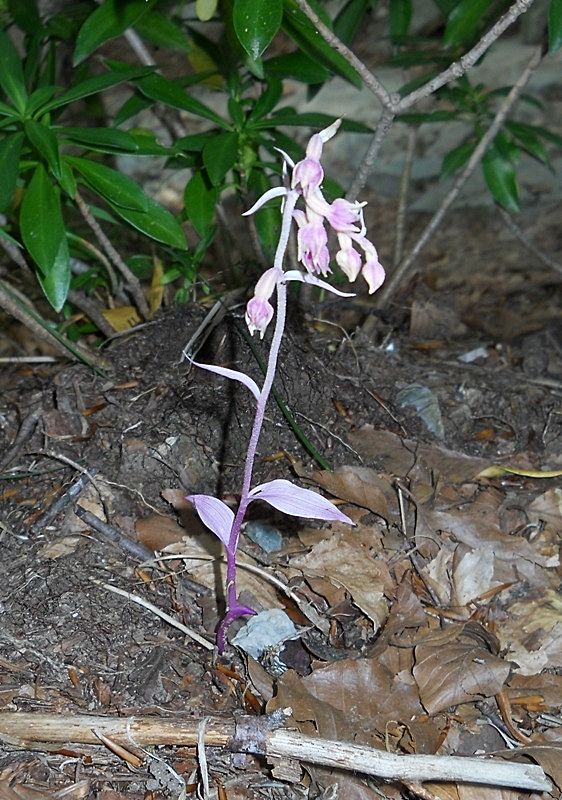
x: 460, y: 67
x: 89, y: 308
x: 23, y: 435
x: 73, y: 491
x: 255, y: 735
x: 370, y: 81
x: 397, y: 277
x: 403, y: 196
x: 111, y: 534
x: 526, y: 242
x: 132, y: 281
x: 366, y: 166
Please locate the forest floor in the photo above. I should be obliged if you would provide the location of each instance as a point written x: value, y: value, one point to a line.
x: 433, y: 626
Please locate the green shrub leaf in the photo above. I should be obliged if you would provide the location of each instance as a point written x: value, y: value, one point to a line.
x: 45, y: 142
x: 554, y: 25
x: 11, y: 73
x: 156, y: 222
x: 200, y: 199
x: 456, y: 158
x: 399, y: 18
x: 44, y: 236
x: 104, y: 140
x: 106, y: 22
x: 256, y: 22
x: 220, y: 154
x: 94, y: 85
x: 117, y: 189
x: 501, y: 179
x: 173, y: 94
x: 464, y: 22
x: 10, y: 149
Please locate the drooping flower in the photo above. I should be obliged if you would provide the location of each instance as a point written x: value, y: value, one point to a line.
x: 259, y: 311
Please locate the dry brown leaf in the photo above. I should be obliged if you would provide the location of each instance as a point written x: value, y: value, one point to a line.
x: 547, y: 754
x: 473, y: 574
x: 459, y: 672
x: 350, y: 564
x: 59, y: 548
x: 156, y: 531
x: 546, y: 686
x: 361, y: 486
x: 397, y: 455
x: 533, y: 633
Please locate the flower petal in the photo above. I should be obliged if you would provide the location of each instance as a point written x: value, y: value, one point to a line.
x: 298, y: 502
x: 277, y: 191
x: 295, y: 275
x: 213, y: 513
x: 233, y: 374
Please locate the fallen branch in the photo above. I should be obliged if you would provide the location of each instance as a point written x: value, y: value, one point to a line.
x: 262, y: 735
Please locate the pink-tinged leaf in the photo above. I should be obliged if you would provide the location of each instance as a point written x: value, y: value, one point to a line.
x: 285, y: 496
x: 213, y: 513
x: 233, y: 374
x: 304, y: 277
x: 277, y: 191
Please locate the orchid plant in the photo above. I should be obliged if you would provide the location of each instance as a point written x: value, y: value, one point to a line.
x: 356, y: 255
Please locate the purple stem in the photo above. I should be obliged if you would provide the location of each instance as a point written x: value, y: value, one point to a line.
x: 233, y: 607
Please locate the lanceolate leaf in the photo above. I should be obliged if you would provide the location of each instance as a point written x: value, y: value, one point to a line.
x: 349, y: 19
x: 173, y: 94
x: 45, y: 142
x: 501, y: 179
x: 94, y: 85
x: 44, y: 235
x: 301, y: 30
x: 10, y: 149
x: 399, y: 18
x: 11, y: 73
x: 220, y: 154
x: 456, y: 158
x: 105, y: 140
x: 200, y: 199
x: 464, y: 22
x: 56, y: 282
x: 256, y: 22
x: 554, y: 25
x: 108, y: 21
x: 156, y: 222
x: 117, y: 189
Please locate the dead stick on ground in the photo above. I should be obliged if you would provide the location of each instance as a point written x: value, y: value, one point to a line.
x: 258, y: 735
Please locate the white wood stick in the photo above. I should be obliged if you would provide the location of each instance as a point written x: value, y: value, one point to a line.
x: 461, y: 769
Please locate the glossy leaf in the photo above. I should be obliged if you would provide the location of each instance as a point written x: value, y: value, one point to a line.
x: 91, y: 86
x: 38, y: 98
x: 156, y: 222
x: 400, y: 15
x: 544, y: 133
x: 267, y: 100
x: 464, y: 22
x: 10, y: 149
x: 11, y: 73
x: 41, y: 223
x: 268, y: 218
x: 108, y: 21
x: 213, y: 513
x: 349, y: 19
x: 45, y: 142
x: 501, y: 179
x: 173, y: 94
x: 104, y: 140
x: 162, y: 31
x: 56, y: 282
x: 301, y: 30
x: 297, y: 502
x: 220, y: 155
x: 311, y: 119
x: 298, y: 66
x: 117, y: 189
x: 8, y: 111
x: 428, y: 116
x: 200, y: 199
x: 256, y: 22
x: 26, y: 16
x: 554, y: 25
x: 528, y: 141
x: 456, y: 158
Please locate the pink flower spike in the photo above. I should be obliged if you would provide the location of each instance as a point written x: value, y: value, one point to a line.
x: 213, y: 513
x: 344, y: 216
x: 309, y: 174
x: 374, y: 273
x: 285, y: 496
x: 259, y: 314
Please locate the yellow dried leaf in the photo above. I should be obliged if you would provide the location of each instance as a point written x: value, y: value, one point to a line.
x: 496, y: 471
x: 122, y: 318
